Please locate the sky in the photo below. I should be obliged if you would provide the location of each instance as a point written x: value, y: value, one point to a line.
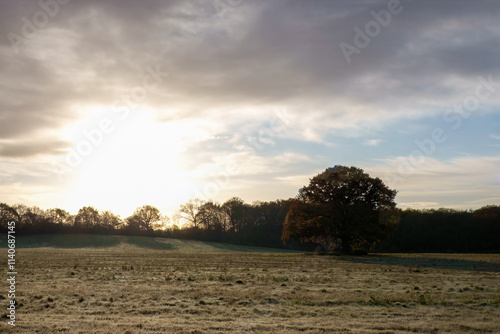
x: 117, y: 104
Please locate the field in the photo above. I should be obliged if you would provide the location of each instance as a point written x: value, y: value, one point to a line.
x: 82, y: 284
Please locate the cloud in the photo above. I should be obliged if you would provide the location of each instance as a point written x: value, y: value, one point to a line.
x: 372, y: 142
x: 256, y: 55
x: 419, y: 205
x: 483, y: 201
x: 247, y: 163
x: 33, y: 148
x: 230, y: 71
x: 456, y: 182
x: 496, y: 137
x: 298, y: 181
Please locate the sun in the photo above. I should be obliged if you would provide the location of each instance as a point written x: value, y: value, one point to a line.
x: 137, y: 163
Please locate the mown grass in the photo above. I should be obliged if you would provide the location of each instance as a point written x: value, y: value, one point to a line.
x: 130, y: 289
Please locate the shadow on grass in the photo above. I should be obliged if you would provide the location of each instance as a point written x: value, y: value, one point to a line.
x: 87, y: 241
x: 67, y: 241
x: 416, y: 262
x: 244, y: 248
x: 148, y: 242
x: 105, y: 241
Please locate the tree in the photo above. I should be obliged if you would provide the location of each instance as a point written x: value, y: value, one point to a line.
x: 7, y: 214
x: 24, y: 213
x: 234, y: 209
x: 342, y: 206
x: 87, y: 217
x: 58, y: 216
x: 488, y: 211
x: 265, y: 223
x: 188, y: 213
x: 32, y: 218
x: 110, y: 221
x: 212, y: 217
x: 146, y: 218
x: 132, y: 224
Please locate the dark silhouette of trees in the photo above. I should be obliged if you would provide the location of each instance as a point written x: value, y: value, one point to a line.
x: 188, y: 213
x: 59, y: 216
x: 110, y: 221
x: 446, y: 230
x: 87, y: 218
x: 32, y: 219
x: 345, y: 206
x: 488, y: 212
x: 235, y: 221
x: 146, y: 218
x: 234, y: 208
x: 266, y: 223
x: 211, y: 217
x: 266, y: 226
x: 133, y: 225
x: 7, y: 214
x: 26, y: 215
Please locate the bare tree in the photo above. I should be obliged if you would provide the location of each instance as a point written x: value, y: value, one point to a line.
x: 188, y: 213
x: 213, y: 217
x: 147, y: 218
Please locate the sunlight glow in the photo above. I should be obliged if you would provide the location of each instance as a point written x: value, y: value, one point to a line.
x: 136, y: 164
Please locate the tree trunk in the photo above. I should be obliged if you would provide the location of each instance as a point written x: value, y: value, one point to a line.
x: 324, y: 244
x: 346, y: 245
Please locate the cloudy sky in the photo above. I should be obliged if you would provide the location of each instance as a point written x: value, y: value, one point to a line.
x: 117, y: 104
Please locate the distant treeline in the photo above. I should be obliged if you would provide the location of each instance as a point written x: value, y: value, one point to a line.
x: 446, y: 230
x: 261, y: 224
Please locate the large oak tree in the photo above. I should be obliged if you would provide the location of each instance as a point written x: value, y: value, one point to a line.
x: 342, y: 207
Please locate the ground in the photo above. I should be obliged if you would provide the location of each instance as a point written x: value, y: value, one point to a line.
x: 194, y: 287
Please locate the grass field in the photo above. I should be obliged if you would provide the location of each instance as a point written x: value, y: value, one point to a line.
x: 98, y: 285
x: 124, y: 242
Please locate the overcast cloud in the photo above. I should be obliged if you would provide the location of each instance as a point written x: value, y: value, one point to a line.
x: 263, y: 85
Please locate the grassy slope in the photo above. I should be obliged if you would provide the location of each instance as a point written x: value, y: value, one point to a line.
x: 115, y: 241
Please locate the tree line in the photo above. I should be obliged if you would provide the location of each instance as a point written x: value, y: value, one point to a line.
x: 341, y: 209
x: 261, y: 224
x: 446, y: 230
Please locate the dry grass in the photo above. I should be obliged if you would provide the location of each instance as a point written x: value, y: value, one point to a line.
x: 136, y: 290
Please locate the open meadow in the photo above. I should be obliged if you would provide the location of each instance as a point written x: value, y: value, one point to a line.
x: 146, y: 285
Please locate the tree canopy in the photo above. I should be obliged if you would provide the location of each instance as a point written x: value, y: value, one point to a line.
x: 87, y: 217
x: 146, y: 218
x: 342, y: 207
